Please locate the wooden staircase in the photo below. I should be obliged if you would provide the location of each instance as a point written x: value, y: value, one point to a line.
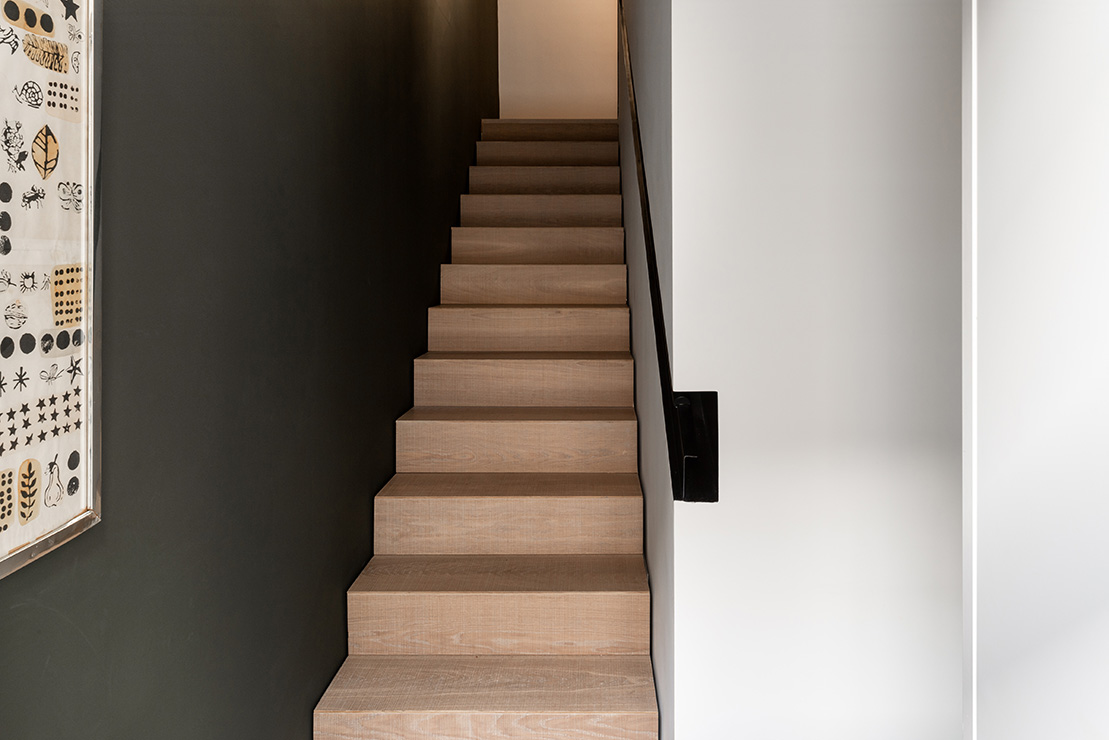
x: 507, y: 597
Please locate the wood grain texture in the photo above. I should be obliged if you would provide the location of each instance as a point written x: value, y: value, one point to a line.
x: 534, y: 284
x: 494, y: 683
x: 560, y: 485
x: 498, y: 574
x: 516, y: 440
x: 550, y: 129
x: 467, y: 328
x: 502, y: 524
x: 518, y: 604
x: 485, y: 726
x: 541, y: 210
x: 509, y: 513
x: 490, y: 698
x: 560, y: 245
x: 524, y: 379
x: 548, y: 153
x: 544, y: 180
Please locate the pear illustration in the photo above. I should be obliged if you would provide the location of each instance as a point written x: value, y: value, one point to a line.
x: 53, y: 494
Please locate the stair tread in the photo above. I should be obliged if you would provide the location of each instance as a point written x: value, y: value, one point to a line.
x: 533, y: 684
x: 519, y: 413
x: 530, y: 307
x: 573, y: 153
x: 511, y: 485
x: 495, y: 574
x: 553, y: 356
x: 539, y: 284
x: 537, y: 244
x: 544, y: 180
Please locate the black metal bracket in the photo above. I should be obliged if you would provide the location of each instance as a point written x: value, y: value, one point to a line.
x: 700, y: 468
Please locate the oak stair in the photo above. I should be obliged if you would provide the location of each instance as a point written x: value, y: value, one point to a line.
x: 507, y: 596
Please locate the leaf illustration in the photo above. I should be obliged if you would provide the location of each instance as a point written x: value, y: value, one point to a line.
x: 30, y: 474
x: 44, y: 149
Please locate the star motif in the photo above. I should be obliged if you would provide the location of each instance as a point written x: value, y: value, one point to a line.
x: 42, y: 418
x: 66, y: 429
x: 13, y: 444
x: 11, y: 431
x: 11, y: 414
x: 53, y: 416
x: 21, y: 380
x: 77, y: 424
x: 1, y: 449
x: 30, y: 438
x: 74, y: 369
x: 53, y: 400
x: 26, y: 423
x: 65, y: 396
x: 25, y: 409
x: 67, y: 410
x: 42, y: 436
x: 71, y: 9
x: 77, y: 391
x: 42, y: 403
x: 77, y: 407
x: 55, y: 431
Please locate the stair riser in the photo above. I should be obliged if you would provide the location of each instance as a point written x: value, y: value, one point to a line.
x: 524, y: 383
x: 548, y: 153
x: 504, y: 525
x: 524, y: 211
x: 524, y: 330
x: 493, y: 129
x: 544, y: 180
x: 498, y: 624
x: 534, y: 284
x: 524, y: 246
x: 516, y: 446
x: 485, y: 726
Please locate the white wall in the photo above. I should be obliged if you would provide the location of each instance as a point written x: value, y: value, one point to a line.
x: 1043, y: 370
x: 817, y: 286
x: 557, y: 58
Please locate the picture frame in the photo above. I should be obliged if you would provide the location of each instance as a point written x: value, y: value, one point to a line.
x: 49, y: 360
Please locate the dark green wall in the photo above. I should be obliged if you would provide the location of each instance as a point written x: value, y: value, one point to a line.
x: 278, y: 180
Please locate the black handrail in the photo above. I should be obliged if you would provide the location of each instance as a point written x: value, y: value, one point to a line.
x: 690, y: 416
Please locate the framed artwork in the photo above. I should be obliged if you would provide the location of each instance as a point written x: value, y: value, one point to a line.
x: 49, y: 431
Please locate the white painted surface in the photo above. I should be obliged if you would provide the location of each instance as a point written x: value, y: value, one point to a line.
x: 970, y: 364
x: 1043, y: 350
x: 557, y: 58
x: 816, y: 259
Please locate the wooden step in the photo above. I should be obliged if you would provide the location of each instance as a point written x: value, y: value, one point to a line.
x: 534, y: 284
x: 468, y: 328
x: 525, y: 379
x: 548, y: 153
x: 544, y: 180
x: 550, y: 129
x: 495, y: 697
x: 446, y: 439
x: 507, y: 513
x: 500, y: 605
x: 541, y: 210
x: 578, y: 246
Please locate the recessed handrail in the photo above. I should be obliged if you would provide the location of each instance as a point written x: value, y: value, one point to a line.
x: 690, y: 417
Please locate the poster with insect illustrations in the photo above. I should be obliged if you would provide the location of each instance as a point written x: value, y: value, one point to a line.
x: 48, y: 489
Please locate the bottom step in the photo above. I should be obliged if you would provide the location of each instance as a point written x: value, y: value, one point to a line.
x: 489, y: 698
